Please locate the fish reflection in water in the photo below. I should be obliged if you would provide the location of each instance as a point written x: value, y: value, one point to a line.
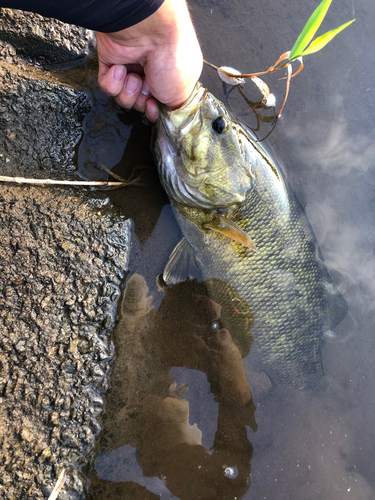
x: 194, y: 325
x: 190, y: 330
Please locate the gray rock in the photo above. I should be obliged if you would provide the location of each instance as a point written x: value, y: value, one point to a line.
x: 40, y: 40
x: 61, y: 264
x: 40, y: 122
x: 60, y: 267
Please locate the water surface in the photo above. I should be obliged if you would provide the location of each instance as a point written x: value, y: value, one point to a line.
x: 306, y: 445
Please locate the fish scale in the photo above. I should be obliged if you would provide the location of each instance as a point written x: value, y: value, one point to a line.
x: 285, y: 283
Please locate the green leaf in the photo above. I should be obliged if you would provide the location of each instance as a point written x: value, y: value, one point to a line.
x: 310, y: 29
x: 322, y: 41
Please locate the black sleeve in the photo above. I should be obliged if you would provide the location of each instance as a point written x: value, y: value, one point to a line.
x: 99, y: 15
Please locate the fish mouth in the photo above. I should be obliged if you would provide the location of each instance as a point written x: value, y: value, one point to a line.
x: 175, y: 121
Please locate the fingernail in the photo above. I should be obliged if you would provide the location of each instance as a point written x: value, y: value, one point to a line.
x: 145, y: 88
x: 119, y: 72
x: 153, y: 110
x: 132, y: 84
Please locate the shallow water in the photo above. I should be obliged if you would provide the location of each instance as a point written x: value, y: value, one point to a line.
x: 306, y: 445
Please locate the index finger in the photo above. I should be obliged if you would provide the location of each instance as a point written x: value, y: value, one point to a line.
x: 111, y: 78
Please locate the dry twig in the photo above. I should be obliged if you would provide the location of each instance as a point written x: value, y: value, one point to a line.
x: 23, y: 180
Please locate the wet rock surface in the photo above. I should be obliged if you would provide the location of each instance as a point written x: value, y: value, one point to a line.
x: 41, y: 116
x: 63, y: 255
x: 40, y: 122
x: 40, y: 40
x: 60, y: 267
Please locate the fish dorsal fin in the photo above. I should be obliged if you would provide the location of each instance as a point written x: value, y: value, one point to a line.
x: 182, y: 264
x: 222, y: 225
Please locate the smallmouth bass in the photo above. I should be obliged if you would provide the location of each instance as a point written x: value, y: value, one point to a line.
x: 243, y: 225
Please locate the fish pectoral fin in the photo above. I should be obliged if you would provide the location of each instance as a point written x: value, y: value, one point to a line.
x: 182, y: 264
x: 222, y: 225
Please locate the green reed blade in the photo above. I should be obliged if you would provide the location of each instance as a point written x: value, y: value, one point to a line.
x: 322, y: 40
x: 310, y: 29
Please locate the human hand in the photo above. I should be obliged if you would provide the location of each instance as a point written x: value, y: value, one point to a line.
x: 156, y: 59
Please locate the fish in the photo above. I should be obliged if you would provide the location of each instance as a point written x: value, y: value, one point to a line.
x: 242, y: 225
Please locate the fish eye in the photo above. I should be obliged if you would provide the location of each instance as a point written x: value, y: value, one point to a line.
x: 220, y: 125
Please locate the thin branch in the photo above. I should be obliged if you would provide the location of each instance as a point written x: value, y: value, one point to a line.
x: 109, y: 172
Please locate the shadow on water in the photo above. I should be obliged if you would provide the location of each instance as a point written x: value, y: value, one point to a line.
x: 118, y: 141
x: 171, y: 429
x: 152, y: 415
